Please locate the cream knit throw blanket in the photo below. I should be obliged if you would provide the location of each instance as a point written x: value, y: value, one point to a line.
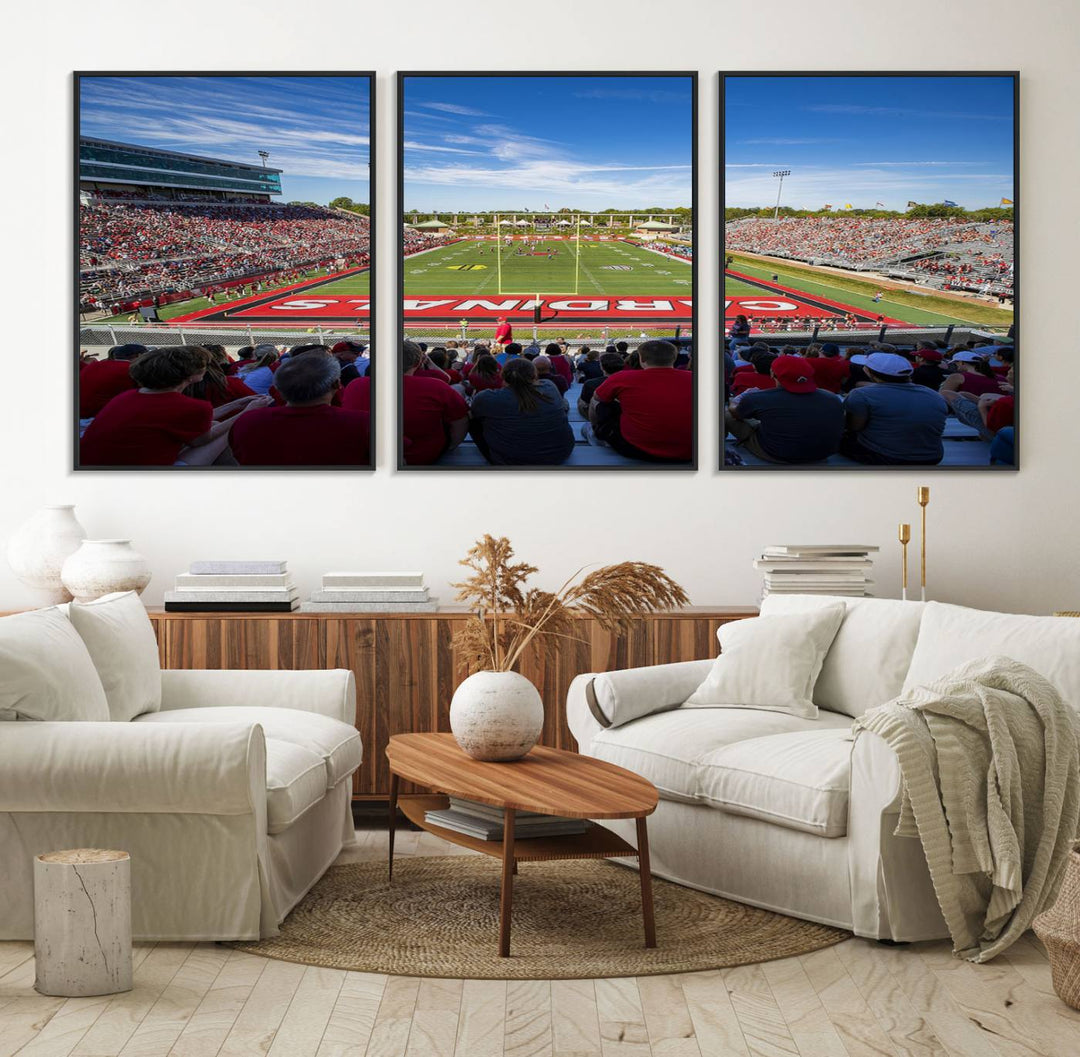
x: 990, y: 761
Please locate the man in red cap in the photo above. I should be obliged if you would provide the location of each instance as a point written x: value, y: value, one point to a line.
x: 928, y: 370
x: 504, y: 333
x: 795, y: 422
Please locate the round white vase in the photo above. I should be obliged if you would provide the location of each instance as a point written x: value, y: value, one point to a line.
x: 496, y: 715
x: 37, y: 551
x: 100, y: 567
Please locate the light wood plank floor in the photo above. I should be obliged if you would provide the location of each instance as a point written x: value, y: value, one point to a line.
x: 857, y: 999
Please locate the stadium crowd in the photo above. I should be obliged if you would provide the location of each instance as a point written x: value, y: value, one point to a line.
x: 128, y: 250
x: 514, y: 401
x: 878, y: 404
x: 197, y: 406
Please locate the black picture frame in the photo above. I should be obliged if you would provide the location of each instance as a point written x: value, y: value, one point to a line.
x: 371, y: 78
x: 650, y: 468
x: 725, y: 75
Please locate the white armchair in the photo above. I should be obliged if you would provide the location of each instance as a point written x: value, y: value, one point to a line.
x: 232, y: 799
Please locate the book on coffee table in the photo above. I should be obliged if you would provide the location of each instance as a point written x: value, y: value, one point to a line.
x: 485, y: 822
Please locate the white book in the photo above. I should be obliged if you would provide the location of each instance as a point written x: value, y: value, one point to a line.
x: 373, y: 579
x: 252, y: 567
x: 229, y: 595
x: 821, y: 548
x: 244, y: 581
x: 363, y: 594
x: 797, y: 564
x: 370, y: 607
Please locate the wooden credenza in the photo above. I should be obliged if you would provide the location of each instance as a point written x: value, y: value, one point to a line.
x: 406, y: 667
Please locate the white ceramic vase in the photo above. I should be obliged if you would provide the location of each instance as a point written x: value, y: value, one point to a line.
x: 100, y: 567
x: 37, y: 551
x: 496, y: 715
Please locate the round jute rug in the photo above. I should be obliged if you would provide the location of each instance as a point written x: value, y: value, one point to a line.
x: 576, y: 918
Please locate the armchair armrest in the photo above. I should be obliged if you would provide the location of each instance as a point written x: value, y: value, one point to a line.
x: 596, y: 701
x: 329, y: 692
x: 186, y: 768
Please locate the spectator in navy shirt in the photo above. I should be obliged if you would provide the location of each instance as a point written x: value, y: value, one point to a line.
x: 892, y: 421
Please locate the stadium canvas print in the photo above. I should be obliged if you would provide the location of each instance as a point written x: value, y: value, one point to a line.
x: 547, y: 271
x: 223, y: 226
x: 870, y: 271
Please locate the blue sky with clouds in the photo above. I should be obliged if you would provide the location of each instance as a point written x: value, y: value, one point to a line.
x: 517, y: 143
x: 869, y: 139
x: 315, y: 128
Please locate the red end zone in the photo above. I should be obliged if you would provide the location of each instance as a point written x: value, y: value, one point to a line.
x: 783, y: 303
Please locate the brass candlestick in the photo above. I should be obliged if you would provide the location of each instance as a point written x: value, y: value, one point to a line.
x: 923, y: 496
x: 904, y: 535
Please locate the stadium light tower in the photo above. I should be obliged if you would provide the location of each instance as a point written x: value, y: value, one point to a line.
x: 781, y: 173
x: 264, y: 154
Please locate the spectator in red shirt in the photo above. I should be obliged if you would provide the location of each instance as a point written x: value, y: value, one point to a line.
x: 440, y: 359
x: 485, y: 374
x: 156, y: 424
x: 545, y: 369
x: 216, y: 386
x: 504, y: 333
x: 357, y: 395
x: 101, y: 380
x: 308, y: 430
x: 435, y: 418
x: 758, y: 375
x: 830, y: 369
x: 560, y: 364
x: 648, y: 414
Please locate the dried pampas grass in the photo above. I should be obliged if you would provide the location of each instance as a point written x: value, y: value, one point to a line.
x: 507, y: 615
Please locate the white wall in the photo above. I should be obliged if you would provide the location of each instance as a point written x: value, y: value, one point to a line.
x: 996, y: 540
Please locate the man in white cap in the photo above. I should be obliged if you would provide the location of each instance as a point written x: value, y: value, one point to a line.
x: 894, y: 422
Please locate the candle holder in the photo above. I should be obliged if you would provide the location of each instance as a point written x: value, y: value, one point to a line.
x: 904, y: 535
x: 923, y: 497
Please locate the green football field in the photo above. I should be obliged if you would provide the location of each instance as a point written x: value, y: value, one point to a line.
x: 352, y: 285
x: 917, y: 307
x: 479, y: 267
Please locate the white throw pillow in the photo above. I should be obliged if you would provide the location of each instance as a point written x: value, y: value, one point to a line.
x: 121, y: 641
x: 45, y: 670
x: 770, y: 663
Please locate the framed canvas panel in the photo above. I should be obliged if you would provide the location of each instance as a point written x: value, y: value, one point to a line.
x: 870, y: 233
x: 547, y: 271
x: 224, y: 271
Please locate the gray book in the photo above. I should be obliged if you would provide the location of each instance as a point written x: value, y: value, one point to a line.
x: 229, y: 595
x: 347, y: 579
x: 370, y: 607
x: 244, y: 581
x: 239, y: 567
x: 361, y: 595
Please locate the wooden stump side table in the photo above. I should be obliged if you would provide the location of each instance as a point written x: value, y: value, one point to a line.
x: 548, y: 781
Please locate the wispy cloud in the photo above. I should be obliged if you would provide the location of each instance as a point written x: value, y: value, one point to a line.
x: 791, y: 142
x: 899, y: 111
x: 634, y: 95
x: 415, y: 145
x: 454, y: 108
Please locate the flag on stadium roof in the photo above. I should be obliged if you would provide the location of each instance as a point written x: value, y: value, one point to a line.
x: 880, y: 205
x: 1006, y: 201
x: 912, y: 205
x: 948, y: 203
x: 826, y: 206
x: 848, y: 205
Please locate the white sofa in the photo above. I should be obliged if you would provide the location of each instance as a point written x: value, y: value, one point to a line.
x: 231, y: 790
x: 794, y: 814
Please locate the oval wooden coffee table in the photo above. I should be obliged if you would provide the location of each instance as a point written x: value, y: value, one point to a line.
x: 548, y: 781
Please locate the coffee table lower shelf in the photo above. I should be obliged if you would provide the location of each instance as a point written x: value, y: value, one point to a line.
x: 596, y: 842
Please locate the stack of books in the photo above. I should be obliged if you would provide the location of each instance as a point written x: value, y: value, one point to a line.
x: 371, y: 593
x: 486, y: 822
x: 817, y: 569
x: 234, y: 587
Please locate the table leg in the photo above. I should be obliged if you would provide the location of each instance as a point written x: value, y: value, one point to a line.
x: 646, y: 882
x: 393, y: 822
x: 506, y: 897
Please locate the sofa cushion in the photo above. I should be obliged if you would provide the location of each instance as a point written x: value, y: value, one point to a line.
x: 45, y: 670
x: 295, y: 780
x: 120, y: 639
x: 622, y: 696
x: 770, y: 662
x: 953, y: 635
x: 869, y: 658
x: 336, y: 743
x: 669, y: 748
x: 799, y: 780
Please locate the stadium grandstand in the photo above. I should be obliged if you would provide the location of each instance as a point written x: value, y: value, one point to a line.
x: 159, y: 227
x: 945, y: 253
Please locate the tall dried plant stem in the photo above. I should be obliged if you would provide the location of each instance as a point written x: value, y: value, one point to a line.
x: 555, y: 603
